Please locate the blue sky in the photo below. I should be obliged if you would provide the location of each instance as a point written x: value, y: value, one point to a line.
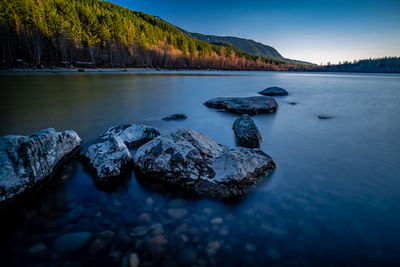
x: 316, y: 31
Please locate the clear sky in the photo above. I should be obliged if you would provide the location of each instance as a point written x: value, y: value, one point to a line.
x: 315, y: 31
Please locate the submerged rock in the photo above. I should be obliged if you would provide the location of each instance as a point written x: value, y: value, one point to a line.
x: 175, y: 117
x: 109, y: 159
x: 133, y: 135
x: 247, y: 132
x: 273, y: 91
x: 197, y: 163
x: 244, y: 105
x: 324, y: 117
x: 71, y: 242
x: 26, y: 162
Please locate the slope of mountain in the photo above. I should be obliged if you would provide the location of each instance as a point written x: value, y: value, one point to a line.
x: 246, y: 45
x: 99, y: 33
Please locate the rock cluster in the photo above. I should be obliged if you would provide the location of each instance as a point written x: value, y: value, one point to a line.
x: 110, y: 158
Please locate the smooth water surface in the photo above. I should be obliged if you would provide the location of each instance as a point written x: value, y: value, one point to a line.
x: 334, y: 197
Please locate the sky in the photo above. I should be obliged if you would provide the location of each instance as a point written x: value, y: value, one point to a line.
x: 315, y: 31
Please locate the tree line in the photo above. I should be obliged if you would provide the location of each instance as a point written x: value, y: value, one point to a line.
x: 377, y: 65
x: 60, y: 33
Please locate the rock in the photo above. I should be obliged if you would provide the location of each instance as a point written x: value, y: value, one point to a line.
x: 71, y: 242
x: 140, y: 230
x: 109, y: 160
x: 134, y: 260
x: 177, y: 203
x: 177, y: 213
x: 322, y: 117
x: 133, y: 135
x: 195, y: 162
x: 244, y: 105
x: 188, y: 256
x: 28, y: 162
x: 175, y: 117
x: 247, y: 132
x: 76, y: 213
x: 98, y: 246
x: 273, y: 91
x: 213, y: 247
x: 217, y: 220
x: 38, y: 251
x: 156, y: 246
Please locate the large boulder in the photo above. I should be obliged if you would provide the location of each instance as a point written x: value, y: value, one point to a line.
x: 247, y: 132
x: 197, y: 163
x: 244, y: 105
x: 109, y: 160
x: 27, y: 162
x: 273, y: 91
x: 133, y: 135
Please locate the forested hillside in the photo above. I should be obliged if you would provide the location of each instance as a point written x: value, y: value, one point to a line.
x: 386, y: 64
x: 102, y: 34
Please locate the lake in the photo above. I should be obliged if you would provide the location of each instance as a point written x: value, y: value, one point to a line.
x: 334, y: 197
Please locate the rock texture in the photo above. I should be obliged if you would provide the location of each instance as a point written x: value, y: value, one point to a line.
x: 244, y: 105
x: 109, y: 159
x: 247, y: 132
x: 273, y: 91
x: 175, y: 117
x: 133, y: 135
x: 26, y: 162
x: 195, y: 162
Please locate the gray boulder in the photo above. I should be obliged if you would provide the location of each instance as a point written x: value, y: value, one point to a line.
x: 109, y: 160
x: 197, y: 163
x: 244, y: 105
x: 133, y: 135
x: 247, y: 132
x: 273, y: 91
x: 27, y: 162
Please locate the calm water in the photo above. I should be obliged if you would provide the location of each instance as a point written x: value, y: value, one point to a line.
x: 334, y: 198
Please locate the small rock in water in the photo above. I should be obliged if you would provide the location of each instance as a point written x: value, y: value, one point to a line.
x: 322, y: 117
x: 273, y: 91
x: 71, y: 242
x: 247, y: 132
x: 250, y: 247
x: 76, y: 213
x: 213, y: 247
x: 134, y: 260
x: 177, y: 213
x: 156, y: 246
x: 177, y: 116
x: 176, y: 203
x: 38, y: 251
x: 188, y: 256
x: 98, y: 245
x: 140, y: 230
x: 217, y: 220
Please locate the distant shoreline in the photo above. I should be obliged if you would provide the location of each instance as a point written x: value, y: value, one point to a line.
x: 108, y: 70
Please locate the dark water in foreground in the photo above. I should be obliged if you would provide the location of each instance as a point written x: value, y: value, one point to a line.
x: 334, y: 198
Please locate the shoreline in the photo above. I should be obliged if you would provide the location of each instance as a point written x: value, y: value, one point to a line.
x: 139, y: 69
